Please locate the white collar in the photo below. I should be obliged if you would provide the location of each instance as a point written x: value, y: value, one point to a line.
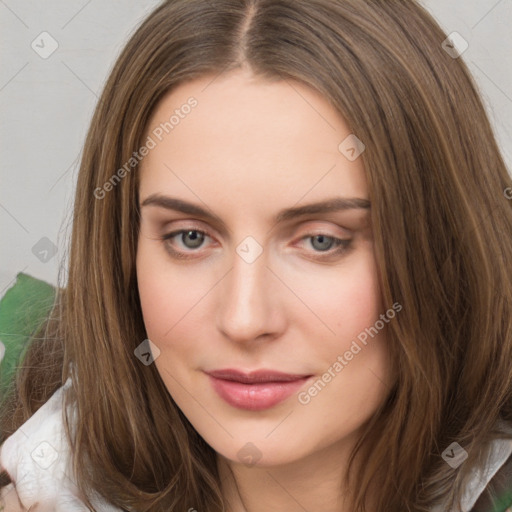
x: 37, y: 458
x: 499, y: 452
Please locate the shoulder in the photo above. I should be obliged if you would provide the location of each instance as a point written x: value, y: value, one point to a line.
x: 38, y: 460
x: 36, y: 457
x: 44, y: 428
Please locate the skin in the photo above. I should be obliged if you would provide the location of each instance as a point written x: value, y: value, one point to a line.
x: 9, y: 500
x: 247, y: 150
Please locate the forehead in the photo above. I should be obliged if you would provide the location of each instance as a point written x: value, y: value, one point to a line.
x: 238, y: 140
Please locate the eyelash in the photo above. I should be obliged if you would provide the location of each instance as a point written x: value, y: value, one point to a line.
x: 341, y: 246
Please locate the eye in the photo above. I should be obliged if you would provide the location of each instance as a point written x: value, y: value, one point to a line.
x: 185, y: 243
x: 329, y: 245
x: 322, y: 242
x: 190, y: 239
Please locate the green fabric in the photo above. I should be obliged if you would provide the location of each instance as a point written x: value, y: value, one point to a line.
x: 23, y: 309
x: 504, y: 503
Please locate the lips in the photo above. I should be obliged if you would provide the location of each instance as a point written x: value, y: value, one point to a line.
x: 257, y: 390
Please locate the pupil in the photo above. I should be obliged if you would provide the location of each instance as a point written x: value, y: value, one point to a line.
x: 325, y: 242
x: 195, y: 237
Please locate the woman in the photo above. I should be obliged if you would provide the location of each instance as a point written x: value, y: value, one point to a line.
x: 288, y: 284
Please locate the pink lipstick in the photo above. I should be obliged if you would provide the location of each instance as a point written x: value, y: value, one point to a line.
x: 257, y: 390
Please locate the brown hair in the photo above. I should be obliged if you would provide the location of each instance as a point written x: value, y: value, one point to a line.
x: 442, y: 236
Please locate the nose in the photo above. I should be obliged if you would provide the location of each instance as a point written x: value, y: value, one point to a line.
x: 250, y: 306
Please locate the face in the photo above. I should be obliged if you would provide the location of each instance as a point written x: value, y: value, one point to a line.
x: 261, y: 309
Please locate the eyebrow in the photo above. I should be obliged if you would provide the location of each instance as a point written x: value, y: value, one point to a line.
x: 335, y: 204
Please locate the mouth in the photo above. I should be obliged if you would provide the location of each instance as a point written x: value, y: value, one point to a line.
x: 257, y: 390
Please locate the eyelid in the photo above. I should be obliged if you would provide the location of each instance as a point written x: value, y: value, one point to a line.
x: 187, y: 225
x: 194, y: 225
x: 334, y: 230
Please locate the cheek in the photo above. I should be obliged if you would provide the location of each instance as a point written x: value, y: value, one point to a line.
x: 169, y: 299
x: 362, y: 345
x: 166, y: 294
x: 156, y: 299
x: 356, y: 365
x: 345, y: 301
x: 359, y: 301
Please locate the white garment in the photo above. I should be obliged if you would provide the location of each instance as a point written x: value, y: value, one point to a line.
x: 500, y: 451
x: 37, y: 458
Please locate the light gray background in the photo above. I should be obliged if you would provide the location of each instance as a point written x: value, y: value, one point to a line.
x: 46, y: 104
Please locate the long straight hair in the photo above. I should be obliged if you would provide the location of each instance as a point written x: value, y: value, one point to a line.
x: 442, y: 229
